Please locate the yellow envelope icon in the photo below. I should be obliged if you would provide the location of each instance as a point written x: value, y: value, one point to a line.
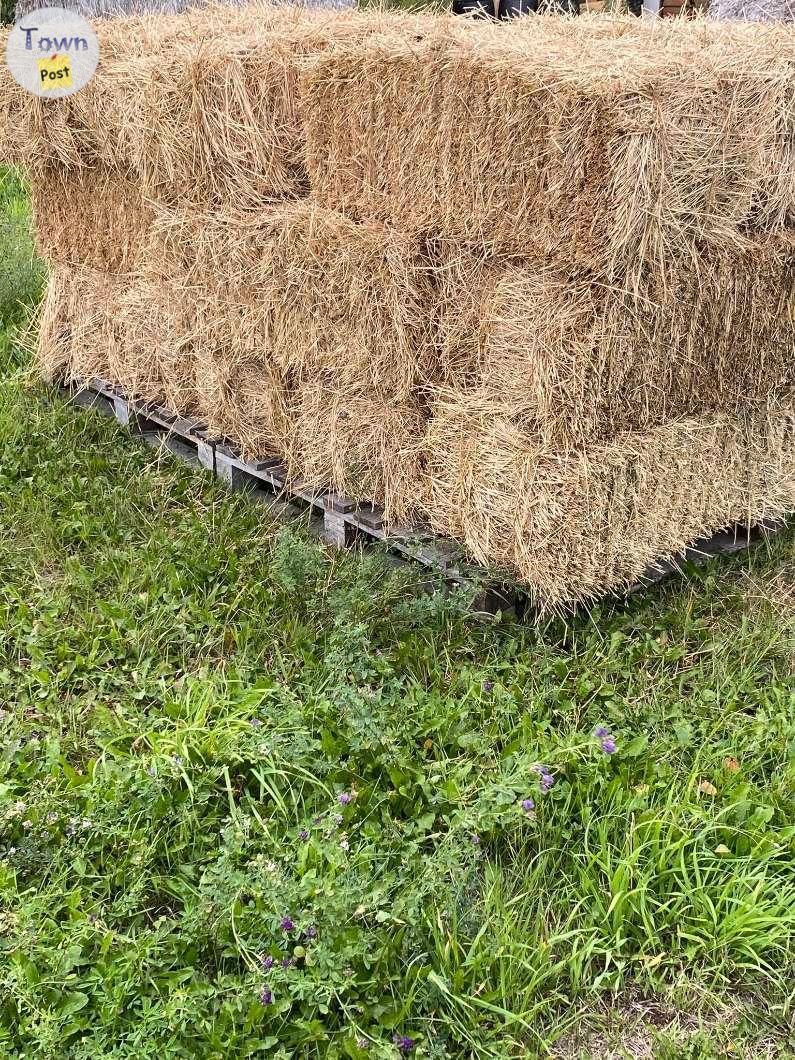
x: 55, y: 72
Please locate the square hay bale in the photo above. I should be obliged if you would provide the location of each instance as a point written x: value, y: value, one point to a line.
x: 202, y: 106
x: 573, y: 526
x: 77, y: 323
x: 573, y: 358
x: 119, y: 328
x: 604, y: 149
x: 360, y: 444
x: 69, y: 131
x: 218, y: 119
x: 244, y: 399
x: 304, y: 290
x: 152, y: 354
x: 92, y: 217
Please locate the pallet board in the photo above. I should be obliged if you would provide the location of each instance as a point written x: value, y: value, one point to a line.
x: 341, y: 521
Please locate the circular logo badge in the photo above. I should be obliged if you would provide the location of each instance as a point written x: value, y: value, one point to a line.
x: 52, y: 52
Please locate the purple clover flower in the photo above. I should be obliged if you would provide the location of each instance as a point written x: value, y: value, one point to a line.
x: 287, y: 962
x: 609, y: 745
x: 303, y: 835
x: 475, y: 840
x: 528, y: 805
x: 600, y: 732
x: 547, y: 781
x: 344, y: 798
x: 266, y: 996
x: 287, y: 924
x: 267, y: 962
x: 310, y: 933
x: 488, y: 686
x: 255, y: 723
x: 404, y: 1043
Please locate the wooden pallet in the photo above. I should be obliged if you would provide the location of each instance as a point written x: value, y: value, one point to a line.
x: 341, y: 521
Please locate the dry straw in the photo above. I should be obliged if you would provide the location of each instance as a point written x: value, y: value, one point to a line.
x: 117, y: 327
x: 608, y: 149
x: 71, y: 131
x: 89, y: 216
x: 153, y: 353
x: 78, y: 323
x: 574, y: 526
x: 216, y: 118
x: 312, y: 339
x: 304, y: 290
x: 364, y: 445
x: 572, y: 358
x: 244, y: 399
x: 202, y: 107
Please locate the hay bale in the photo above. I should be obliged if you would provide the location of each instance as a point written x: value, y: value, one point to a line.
x: 312, y: 339
x: 573, y: 526
x: 244, y: 399
x: 304, y: 290
x: 604, y: 149
x: 91, y: 217
x: 360, y: 444
x: 117, y: 327
x: 218, y: 121
x: 201, y: 106
x: 70, y: 131
x: 151, y: 353
x: 101, y: 123
x: 571, y: 358
x: 78, y: 323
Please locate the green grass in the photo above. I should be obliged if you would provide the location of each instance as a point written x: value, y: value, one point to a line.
x: 188, y: 687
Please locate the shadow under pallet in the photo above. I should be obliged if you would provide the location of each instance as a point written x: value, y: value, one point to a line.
x: 341, y: 521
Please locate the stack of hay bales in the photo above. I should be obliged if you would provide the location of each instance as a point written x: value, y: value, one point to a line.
x: 613, y: 213
x: 532, y: 284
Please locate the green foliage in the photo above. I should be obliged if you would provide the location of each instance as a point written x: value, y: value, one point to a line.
x: 209, y: 723
x: 21, y: 274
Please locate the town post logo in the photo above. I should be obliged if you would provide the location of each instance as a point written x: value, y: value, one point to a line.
x: 52, y: 52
